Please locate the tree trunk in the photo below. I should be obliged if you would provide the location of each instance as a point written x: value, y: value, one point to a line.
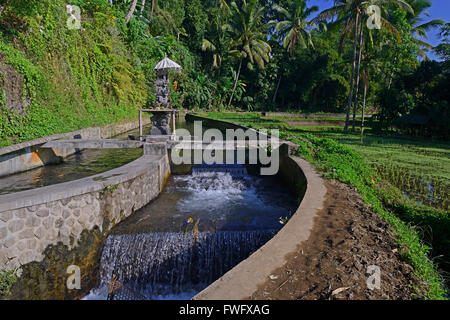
x: 363, y: 107
x: 142, y: 6
x: 366, y: 86
x: 350, y: 94
x: 361, y: 44
x: 276, y: 90
x: 130, y: 13
x: 392, y: 74
x: 235, y: 82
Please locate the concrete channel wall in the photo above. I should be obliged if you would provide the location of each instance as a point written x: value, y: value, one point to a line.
x: 28, y: 155
x: 243, y: 280
x: 45, y: 230
x: 33, y: 219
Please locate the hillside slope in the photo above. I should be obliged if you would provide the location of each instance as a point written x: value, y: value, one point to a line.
x: 54, y: 79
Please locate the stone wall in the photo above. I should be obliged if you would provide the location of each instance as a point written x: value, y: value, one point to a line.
x: 45, y: 230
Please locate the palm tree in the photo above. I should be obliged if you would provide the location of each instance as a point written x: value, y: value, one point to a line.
x: 420, y: 30
x: 247, y: 37
x: 295, y: 28
x: 131, y: 11
x: 218, y: 41
x: 365, y: 77
x: 361, y: 45
x: 349, y: 13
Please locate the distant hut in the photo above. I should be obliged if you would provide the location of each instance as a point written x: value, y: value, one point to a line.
x: 414, y: 124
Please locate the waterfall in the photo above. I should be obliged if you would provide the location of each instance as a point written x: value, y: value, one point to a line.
x: 174, y: 264
x: 237, y: 170
x: 151, y: 256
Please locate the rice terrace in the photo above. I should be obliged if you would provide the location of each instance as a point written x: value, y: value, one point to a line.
x: 224, y: 153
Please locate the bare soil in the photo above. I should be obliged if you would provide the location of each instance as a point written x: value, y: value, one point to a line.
x: 333, y: 263
x: 12, y: 82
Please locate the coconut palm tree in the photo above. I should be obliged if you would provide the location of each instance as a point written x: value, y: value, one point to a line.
x: 349, y: 14
x: 295, y: 29
x: 248, y: 38
x: 218, y: 41
x: 365, y: 77
x: 131, y: 11
x: 420, y: 29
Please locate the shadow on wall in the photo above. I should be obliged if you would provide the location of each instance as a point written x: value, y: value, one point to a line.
x: 34, y: 156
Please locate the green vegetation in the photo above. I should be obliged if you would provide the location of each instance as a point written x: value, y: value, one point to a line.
x: 236, y: 55
x: 109, y: 189
x: 422, y: 232
x: 74, y: 78
x: 420, y: 168
x: 71, y: 79
x: 255, y: 55
x: 7, y: 279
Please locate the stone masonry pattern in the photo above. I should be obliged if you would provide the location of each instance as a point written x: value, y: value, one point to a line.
x: 26, y: 232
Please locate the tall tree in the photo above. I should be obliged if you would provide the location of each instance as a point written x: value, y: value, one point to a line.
x: 361, y: 44
x: 348, y: 14
x: 420, y: 29
x: 248, y: 37
x: 218, y: 42
x: 294, y: 29
x: 131, y: 11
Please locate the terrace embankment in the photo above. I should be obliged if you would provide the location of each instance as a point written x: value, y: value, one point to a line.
x: 332, y: 264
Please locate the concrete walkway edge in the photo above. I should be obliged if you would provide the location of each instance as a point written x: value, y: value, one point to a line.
x: 243, y: 280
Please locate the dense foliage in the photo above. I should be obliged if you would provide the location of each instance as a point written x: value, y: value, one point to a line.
x: 244, y: 54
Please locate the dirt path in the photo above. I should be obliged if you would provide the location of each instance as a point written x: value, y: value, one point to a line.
x: 332, y: 264
x: 314, y: 123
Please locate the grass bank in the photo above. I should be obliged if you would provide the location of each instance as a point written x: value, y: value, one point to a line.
x: 409, y: 220
x: 54, y: 79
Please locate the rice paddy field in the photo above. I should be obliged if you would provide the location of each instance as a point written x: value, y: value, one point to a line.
x: 405, y: 180
x: 419, y: 167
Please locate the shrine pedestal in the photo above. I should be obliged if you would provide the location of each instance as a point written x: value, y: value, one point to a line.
x: 161, y: 123
x: 160, y: 120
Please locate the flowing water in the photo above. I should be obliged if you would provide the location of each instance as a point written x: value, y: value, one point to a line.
x: 199, y: 227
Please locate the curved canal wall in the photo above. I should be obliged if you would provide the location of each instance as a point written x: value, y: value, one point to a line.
x: 45, y: 230
x: 243, y: 280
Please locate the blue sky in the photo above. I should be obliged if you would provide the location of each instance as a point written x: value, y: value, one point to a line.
x: 439, y: 10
